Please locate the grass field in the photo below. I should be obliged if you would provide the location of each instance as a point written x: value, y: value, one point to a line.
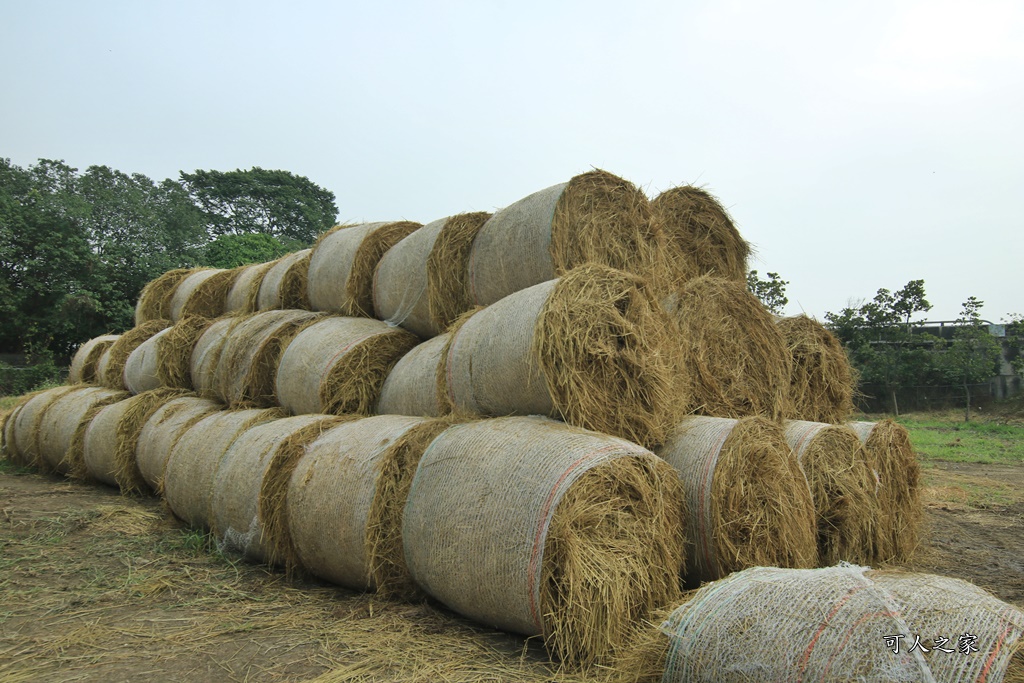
x: 942, y: 436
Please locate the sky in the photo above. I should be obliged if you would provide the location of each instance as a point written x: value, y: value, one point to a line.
x: 857, y: 145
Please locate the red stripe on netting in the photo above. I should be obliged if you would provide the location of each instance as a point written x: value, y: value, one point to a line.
x: 540, y: 536
x: 849, y: 634
x: 821, y: 629
x: 985, y: 670
x: 702, y: 492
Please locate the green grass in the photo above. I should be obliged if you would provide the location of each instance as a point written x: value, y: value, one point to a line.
x: 937, y: 438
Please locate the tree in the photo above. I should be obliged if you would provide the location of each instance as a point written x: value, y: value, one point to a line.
x: 229, y: 251
x: 771, y: 292
x: 973, y: 355
x: 277, y: 203
x: 880, y: 341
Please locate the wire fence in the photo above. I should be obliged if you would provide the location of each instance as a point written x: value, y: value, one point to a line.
x: 877, y: 399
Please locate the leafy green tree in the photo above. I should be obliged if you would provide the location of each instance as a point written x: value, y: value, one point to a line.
x: 277, y: 203
x: 771, y: 292
x: 880, y: 341
x: 229, y: 251
x: 973, y: 354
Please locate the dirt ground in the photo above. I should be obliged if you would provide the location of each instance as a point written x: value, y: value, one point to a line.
x: 98, y: 587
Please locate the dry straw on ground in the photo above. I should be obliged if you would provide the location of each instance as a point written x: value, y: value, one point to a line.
x: 242, y: 298
x: 823, y: 382
x: 272, y: 292
x: 87, y: 357
x: 249, y: 358
x: 412, y: 387
x: 596, y: 217
x: 892, y: 457
x: 141, y: 368
x: 700, y: 237
x: 155, y: 300
x: 162, y: 430
x: 338, y: 365
x: 842, y: 485
x: 204, y: 292
x: 749, y: 502
x: 420, y: 283
x: 21, y: 430
x: 768, y: 624
x: 540, y: 528
x: 336, y: 506
x: 114, y: 359
x: 191, y: 468
x: 63, y: 423
x: 734, y: 358
x: 343, y: 262
x: 593, y: 347
x: 175, y: 352
x: 241, y: 476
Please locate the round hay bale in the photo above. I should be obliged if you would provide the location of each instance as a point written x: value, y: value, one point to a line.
x: 192, y: 464
x: 205, y: 356
x: 338, y: 513
x: 843, y: 490
x: 162, y: 430
x: 420, y: 283
x: 113, y: 360
x: 175, y: 351
x: 749, y: 502
x: 251, y: 354
x: 63, y: 423
x: 700, y: 237
x: 593, y: 347
x: 841, y: 623
x: 140, y: 370
x: 539, y: 528
x: 735, y: 358
x: 7, y: 433
x: 823, y: 382
x: 155, y: 300
x: 203, y: 292
x: 99, y: 445
x: 277, y: 285
x: 415, y: 386
x: 338, y: 365
x: 242, y: 298
x: 343, y: 262
x: 891, y: 456
x: 295, y: 284
x: 235, y: 504
x: 21, y: 431
x: 596, y: 217
x: 83, y: 365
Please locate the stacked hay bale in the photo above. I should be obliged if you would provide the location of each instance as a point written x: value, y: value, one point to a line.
x: 87, y: 357
x: 284, y: 285
x: 110, y: 368
x: 155, y: 300
x: 203, y: 292
x: 822, y: 383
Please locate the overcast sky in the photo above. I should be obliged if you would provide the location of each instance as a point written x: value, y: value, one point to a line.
x: 858, y: 145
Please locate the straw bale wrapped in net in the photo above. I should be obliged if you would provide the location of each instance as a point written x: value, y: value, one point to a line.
x: 339, y: 510
x: 155, y: 300
x: 343, y: 262
x: 843, y: 487
x: 248, y: 361
x: 415, y: 386
x: 823, y: 382
x: 420, y: 283
x: 278, y: 289
x: 63, y: 423
x: 87, y: 357
x: 843, y: 623
x: 175, y: 351
x: 140, y: 370
x: 7, y: 431
x: 204, y: 292
x: 205, y: 356
x: 241, y: 476
x: 537, y: 527
x: 21, y: 430
x: 162, y: 430
x: 891, y: 455
x: 735, y: 358
x: 700, y: 237
x: 192, y: 464
x: 243, y: 295
x: 596, y: 217
x: 749, y: 502
x: 114, y: 359
x: 593, y: 348
x: 337, y: 365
